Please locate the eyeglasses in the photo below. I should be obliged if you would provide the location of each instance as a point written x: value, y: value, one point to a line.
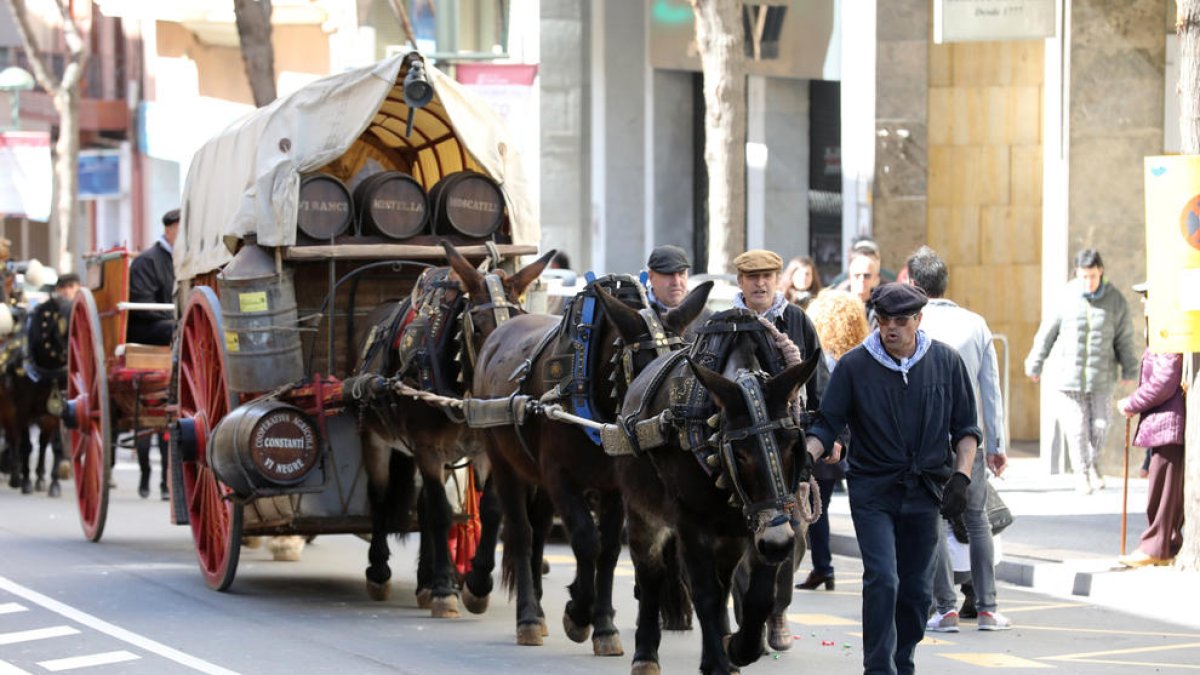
x: 899, y: 321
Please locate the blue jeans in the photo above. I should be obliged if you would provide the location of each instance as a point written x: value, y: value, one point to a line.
x: 897, y: 529
x: 818, y: 532
x: 979, y: 533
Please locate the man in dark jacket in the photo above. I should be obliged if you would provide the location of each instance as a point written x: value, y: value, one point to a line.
x: 911, y: 410
x: 152, y: 279
x: 758, y: 277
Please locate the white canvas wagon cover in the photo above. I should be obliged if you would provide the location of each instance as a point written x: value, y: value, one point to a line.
x: 246, y: 180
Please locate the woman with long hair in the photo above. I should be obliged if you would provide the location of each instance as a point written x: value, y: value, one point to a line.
x: 841, y: 323
x: 800, y: 281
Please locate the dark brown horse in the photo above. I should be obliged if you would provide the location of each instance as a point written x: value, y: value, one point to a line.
x: 576, y: 359
x: 721, y: 497
x: 426, y: 341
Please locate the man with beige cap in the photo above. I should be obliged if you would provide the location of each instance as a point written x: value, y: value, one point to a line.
x: 758, y: 277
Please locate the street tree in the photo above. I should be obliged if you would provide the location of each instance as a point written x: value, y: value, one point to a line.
x: 720, y: 40
x: 65, y: 91
x: 258, y: 54
x: 1187, y: 27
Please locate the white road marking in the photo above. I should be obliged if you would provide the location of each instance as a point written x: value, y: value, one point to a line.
x: 36, y: 634
x: 11, y: 607
x: 7, y: 668
x: 111, y: 630
x: 88, y: 661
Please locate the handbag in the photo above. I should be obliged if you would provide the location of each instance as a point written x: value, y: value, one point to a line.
x: 998, y: 514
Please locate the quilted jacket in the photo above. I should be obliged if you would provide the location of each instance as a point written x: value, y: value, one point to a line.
x: 1083, y: 344
x: 1159, y: 400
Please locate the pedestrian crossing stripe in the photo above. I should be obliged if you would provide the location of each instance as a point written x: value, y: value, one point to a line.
x: 821, y: 620
x: 36, y: 634
x: 87, y: 661
x: 995, y: 660
x: 11, y: 608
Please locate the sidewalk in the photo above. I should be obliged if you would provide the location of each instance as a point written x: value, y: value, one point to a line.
x: 1066, y: 544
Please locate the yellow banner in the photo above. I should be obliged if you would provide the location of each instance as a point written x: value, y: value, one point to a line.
x: 1173, y: 252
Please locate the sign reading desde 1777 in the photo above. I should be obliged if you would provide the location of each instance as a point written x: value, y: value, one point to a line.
x: 971, y: 20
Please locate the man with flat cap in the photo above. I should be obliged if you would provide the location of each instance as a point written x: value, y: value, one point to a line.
x: 152, y: 279
x: 667, y: 272
x: 911, y: 410
x: 758, y: 277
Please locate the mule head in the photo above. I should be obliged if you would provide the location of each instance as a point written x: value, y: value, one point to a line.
x: 644, y: 337
x: 756, y: 441
x: 494, y: 297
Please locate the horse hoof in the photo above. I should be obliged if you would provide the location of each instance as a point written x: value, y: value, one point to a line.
x: 475, y: 604
x: 39, y: 485
x: 529, y: 635
x: 544, y: 627
x: 64, y: 470
x: 55, y: 490
x: 607, y: 645
x: 379, y: 592
x: 779, y: 634
x: 252, y: 542
x: 424, y: 598
x: 645, y: 668
x: 545, y: 567
x: 286, y: 549
x: 27, y: 487
x: 445, y: 607
x: 576, y: 633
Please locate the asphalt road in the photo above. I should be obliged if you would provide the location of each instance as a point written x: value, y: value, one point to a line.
x: 136, y: 603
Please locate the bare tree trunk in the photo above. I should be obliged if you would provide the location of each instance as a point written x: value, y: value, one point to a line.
x: 65, y: 91
x: 1187, y: 27
x: 258, y: 54
x: 722, y: 58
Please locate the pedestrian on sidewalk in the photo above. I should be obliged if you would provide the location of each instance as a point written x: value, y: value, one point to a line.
x: 1088, y: 337
x: 911, y: 411
x: 969, y: 334
x: 841, y: 324
x: 1160, y: 402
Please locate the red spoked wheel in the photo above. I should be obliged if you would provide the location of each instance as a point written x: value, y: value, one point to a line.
x: 87, y: 414
x: 204, y: 399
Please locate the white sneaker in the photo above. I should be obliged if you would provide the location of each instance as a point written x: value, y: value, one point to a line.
x: 1083, y: 484
x: 1099, y: 481
x: 943, y: 623
x: 993, y: 621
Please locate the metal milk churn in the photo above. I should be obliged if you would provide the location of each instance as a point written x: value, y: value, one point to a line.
x: 258, y: 305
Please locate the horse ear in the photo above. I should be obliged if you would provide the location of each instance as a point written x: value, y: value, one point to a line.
x: 725, y: 393
x: 677, y: 320
x: 518, y: 282
x: 471, y: 278
x: 629, y: 324
x: 783, y: 387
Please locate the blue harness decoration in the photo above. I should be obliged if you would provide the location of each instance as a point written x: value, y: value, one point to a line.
x: 582, y: 345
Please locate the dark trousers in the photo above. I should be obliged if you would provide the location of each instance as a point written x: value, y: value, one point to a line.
x: 1164, y: 504
x: 818, y: 532
x: 143, y: 454
x: 897, y: 529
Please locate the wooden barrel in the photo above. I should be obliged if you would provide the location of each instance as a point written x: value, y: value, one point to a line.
x: 468, y: 203
x: 392, y: 204
x: 325, y: 209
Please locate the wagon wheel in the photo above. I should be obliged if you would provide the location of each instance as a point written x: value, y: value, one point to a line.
x: 88, y: 414
x: 204, y: 399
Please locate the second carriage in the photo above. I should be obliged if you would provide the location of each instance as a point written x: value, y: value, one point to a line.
x: 297, y: 220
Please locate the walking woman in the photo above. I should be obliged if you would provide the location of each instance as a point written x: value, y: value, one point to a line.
x: 1086, y: 340
x: 800, y: 281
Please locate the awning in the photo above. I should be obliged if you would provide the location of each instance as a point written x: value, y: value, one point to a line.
x: 247, y: 179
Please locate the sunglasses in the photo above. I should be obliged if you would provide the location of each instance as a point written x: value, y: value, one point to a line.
x: 899, y: 321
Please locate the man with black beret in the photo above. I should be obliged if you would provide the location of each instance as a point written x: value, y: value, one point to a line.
x: 911, y: 410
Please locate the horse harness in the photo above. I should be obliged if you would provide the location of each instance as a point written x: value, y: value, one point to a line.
x: 691, y: 416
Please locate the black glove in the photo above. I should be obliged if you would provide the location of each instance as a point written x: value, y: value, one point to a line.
x: 954, y: 495
x: 959, y: 527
